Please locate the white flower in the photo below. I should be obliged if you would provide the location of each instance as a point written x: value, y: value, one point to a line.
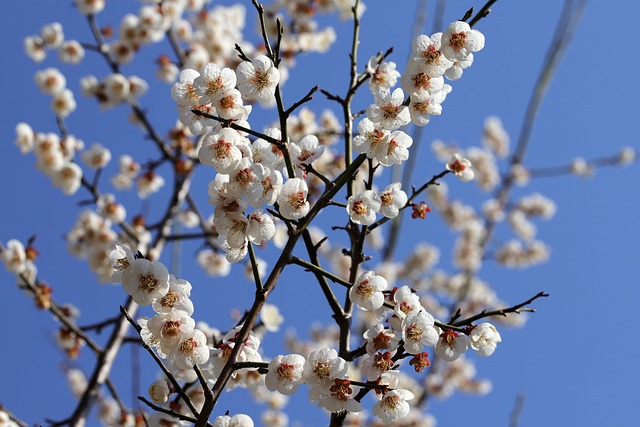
x: 213, y: 82
x: 121, y: 257
x: 394, y: 149
x: 233, y: 226
x: 379, y: 338
x: 50, y: 81
x: 306, y: 150
x: 71, y: 52
x: 376, y: 364
x: 159, y: 392
x: 63, y: 103
x: 90, y: 7
x: 455, y: 71
x: 176, y: 299
x: 25, y: 138
x: 183, y: 91
x: 149, y: 183
x: 366, y: 292
x: 427, y: 53
x: 169, y: 329
x: 14, y: 256
x: 418, y: 330
x: 192, y: 350
x: 393, y: 405
x: 145, y: 281
x: 451, y: 345
x: 285, y: 373
x: 322, y: 367
x: 52, y: 34
x: 416, y: 79
x: 68, y: 178
x: 388, y: 110
x: 370, y: 137
x: 459, y: 40
x: 258, y: 79
x: 425, y: 104
x: 34, y: 48
x: 383, y: 76
x: 339, y: 398
x: 77, y: 382
x: 229, y: 105
x: 238, y: 420
x: 362, y: 208
x: 96, y: 157
x: 108, y: 208
x: 213, y: 263
x: 271, y: 317
x: 484, y: 339
x: 393, y: 199
x: 461, y: 167
x: 261, y: 226
x: 292, y: 199
x: 220, y: 150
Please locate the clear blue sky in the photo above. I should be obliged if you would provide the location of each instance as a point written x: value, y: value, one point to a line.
x: 575, y: 360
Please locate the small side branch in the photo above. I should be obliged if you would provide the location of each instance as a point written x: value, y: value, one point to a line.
x: 518, y: 308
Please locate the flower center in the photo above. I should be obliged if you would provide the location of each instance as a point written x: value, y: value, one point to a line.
x: 414, y: 332
x: 286, y: 372
x: 148, y: 283
x: 458, y: 40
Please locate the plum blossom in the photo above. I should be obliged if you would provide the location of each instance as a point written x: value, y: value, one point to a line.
x: 484, y: 339
x: 145, y: 281
x: 212, y: 82
x: 370, y: 137
x: 285, y: 373
x: 461, y: 167
x: 292, y: 199
x: 427, y: 53
x: 339, y: 398
x: 418, y: 330
x: 322, y: 367
x: 393, y: 405
x: 388, y: 110
x: 366, y: 292
x: 451, y: 345
x: 192, y: 350
x: 459, y: 40
x: 306, y: 150
x: 362, y: 208
x: 258, y: 79
x: 393, y: 199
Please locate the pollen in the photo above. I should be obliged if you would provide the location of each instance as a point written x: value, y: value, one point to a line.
x: 365, y: 289
x: 170, y: 299
x: 148, y: 283
x: 286, y: 372
x: 322, y: 370
x: 297, y: 199
x: 359, y: 208
x: 260, y: 80
x: 458, y: 40
x: 421, y: 80
x: 431, y: 55
x: 171, y: 329
x: 414, y: 332
x: 187, y: 346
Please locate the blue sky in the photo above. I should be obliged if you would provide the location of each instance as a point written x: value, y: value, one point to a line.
x: 574, y: 360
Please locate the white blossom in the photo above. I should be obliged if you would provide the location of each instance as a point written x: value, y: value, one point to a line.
x: 484, y: 339
x: 145, y: 281
x: 285, y: 373
x: 366, y: 292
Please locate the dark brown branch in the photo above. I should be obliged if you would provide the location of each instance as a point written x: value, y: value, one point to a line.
x: 501, y: 312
